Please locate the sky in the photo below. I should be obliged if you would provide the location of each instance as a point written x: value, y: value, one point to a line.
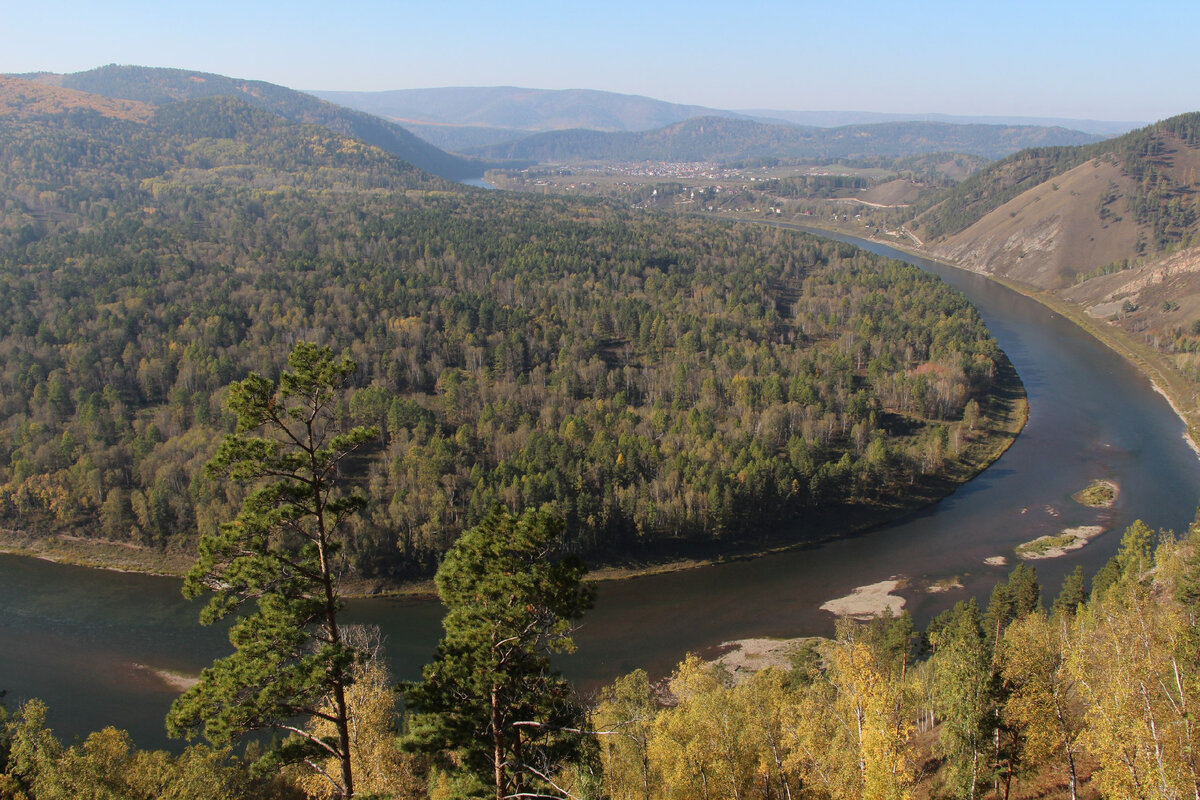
x: 1051, y: 58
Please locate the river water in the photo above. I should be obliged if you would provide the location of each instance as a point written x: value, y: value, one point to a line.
x: 89, y: 642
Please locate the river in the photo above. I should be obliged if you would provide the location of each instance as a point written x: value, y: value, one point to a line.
x: 89, y: 641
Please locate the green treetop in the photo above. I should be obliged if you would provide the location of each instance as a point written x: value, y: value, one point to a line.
x: 490, y: 694
x: 281, y: 553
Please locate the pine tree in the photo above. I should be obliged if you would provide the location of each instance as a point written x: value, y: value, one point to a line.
x: 490, y: 695
x: 281, y: 556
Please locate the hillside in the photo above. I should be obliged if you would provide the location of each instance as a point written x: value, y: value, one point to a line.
x: 1112, y: 229
x: 666, y: 384
x: 163, y: 86
x: 1122, y: 199
x: 463, y: 138
x: 25, y: 99
x: 837, y: 119
x: 725, y: 140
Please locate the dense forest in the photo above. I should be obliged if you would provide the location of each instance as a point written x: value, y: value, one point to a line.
x: 1092, y: 698
x: 657, y: 380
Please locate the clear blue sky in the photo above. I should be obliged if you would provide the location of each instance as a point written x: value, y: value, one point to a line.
x: 1099, y: 60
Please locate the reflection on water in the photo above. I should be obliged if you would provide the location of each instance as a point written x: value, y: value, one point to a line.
x: 74, y: 636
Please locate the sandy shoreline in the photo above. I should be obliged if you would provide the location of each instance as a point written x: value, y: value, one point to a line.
x: 867, y: 601
x: 744, y: 657
x: 179, y: 681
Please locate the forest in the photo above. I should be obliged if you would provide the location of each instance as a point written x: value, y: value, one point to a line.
x: 661, y: 383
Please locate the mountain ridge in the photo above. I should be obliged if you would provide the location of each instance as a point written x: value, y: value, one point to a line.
x: 518, y: 108
x: 1135, y: 193
x: 491, y: 107
x: 721, y: 139
x: 161, y: 86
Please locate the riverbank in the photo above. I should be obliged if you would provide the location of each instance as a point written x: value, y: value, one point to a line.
x: 1179, y: 393
x: 1003, y: 416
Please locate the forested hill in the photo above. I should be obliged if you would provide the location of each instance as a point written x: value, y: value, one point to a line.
x: 657, y: 380
x: 159, y: 86
x: 74, y: 154
x: 24, y: 99
x: 720, y: 139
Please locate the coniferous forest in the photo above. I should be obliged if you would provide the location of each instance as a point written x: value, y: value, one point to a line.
x: 659, y: 382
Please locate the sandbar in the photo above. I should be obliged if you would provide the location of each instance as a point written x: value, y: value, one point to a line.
x: 744, y: 657
x: 1056, y: 546
x: 1094, y: 496
x: 179, y: 681
x: 867, y: 601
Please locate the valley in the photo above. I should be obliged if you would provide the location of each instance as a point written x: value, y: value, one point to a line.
x: 811, y: 392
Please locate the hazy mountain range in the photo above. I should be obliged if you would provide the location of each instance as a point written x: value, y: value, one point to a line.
x: 726, y: 140
x: 466, y: 118
x: 490, y: 126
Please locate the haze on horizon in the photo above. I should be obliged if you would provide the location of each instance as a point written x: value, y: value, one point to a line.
x: 1101, y: 60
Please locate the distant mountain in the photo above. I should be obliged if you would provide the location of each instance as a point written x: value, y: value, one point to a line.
x: 520, y: 109
x: 464, y: 138
x: 724, y: 140
x: 837, y: 119
x: 163, y: 86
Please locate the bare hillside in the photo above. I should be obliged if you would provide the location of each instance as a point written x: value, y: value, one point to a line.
x: 899, y: 192
x: 1047, y: 236
x: 1112, y: 229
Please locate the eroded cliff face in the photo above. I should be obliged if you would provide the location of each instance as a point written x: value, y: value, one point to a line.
x: 1159, y: 301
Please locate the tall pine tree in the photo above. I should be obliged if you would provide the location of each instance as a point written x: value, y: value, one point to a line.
x: 490, y: 694
x: 281, y: 556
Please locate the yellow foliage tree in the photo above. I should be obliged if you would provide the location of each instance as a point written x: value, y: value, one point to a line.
x: 870, y: 708
x: 379, y: 766
x: 1042, y: 703
x: 1138, y: 691
x: 700, y: 746
x: 625, y: 718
